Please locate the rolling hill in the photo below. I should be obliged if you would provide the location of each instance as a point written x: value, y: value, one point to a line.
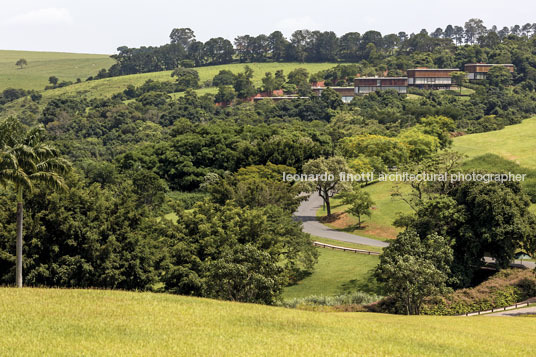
x: 70, y: 66
x: 42, y: 65
x: 115, y: 323
x: 514, y: 142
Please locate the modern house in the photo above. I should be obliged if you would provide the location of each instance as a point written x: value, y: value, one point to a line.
x: 347, y: 93
x: 365, y: 85
x: 477, y: 71
x: 431, y: 78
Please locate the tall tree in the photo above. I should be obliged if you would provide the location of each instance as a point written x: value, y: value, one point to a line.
x: 182, y: 36
x: 474, y: 28
x: 325, y: 174
x: 277, y: 44
x: 26, y: 161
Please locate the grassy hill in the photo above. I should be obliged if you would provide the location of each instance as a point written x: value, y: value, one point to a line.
x: 515, y: 142
x: 109, y: 86
x: 42, y: 65
x: 114, y: 323
x: 70, y: 66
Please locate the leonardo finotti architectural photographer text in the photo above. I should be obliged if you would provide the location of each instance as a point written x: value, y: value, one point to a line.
x: 406, y: 177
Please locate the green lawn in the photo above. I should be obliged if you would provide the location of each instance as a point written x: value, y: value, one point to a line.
x: 53, y: 322
x: 337, y: 272
x: 42, y: 65
x: 384, y: 212
x: 514, y: 142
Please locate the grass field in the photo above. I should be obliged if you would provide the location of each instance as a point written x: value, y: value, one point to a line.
x: 35, y: 76
x: 337, y: 272
x: 109, y: 86
x: 514, y: 142
x: 384, y: 212
x: 52, y: 322
x: 42, y: 65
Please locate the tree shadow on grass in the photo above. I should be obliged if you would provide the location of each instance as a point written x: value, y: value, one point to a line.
x: 369, y: 285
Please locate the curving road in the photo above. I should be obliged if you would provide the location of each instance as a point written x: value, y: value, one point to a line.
x: 306, y: 213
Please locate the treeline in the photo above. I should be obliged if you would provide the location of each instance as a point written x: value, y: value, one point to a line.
x: 318, y: 46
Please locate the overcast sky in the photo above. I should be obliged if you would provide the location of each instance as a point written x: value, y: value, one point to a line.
x: 100, y: 26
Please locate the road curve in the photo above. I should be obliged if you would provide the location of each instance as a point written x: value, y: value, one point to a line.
x: 306, y: 213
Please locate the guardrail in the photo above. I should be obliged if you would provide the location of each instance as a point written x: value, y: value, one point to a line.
x: 499, y: 309
x: 345, y: 249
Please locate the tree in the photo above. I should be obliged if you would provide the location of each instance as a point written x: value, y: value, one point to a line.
x: 391, y: 151
x: 326, y: 174
x: 218, y: 51
x: 182, y: 36
x: 474, y: 28
x: 459, y: 77
x: 243, y: 254
x: 186, y: 78
x: 414, y: 268
x: 499, y: 76
x: 26, y: 162
x: 458, y: 34
x: 278, y: 45
x: 483, y: 219
x: 349, y: 46
x: 420, y: 145
x: 243, y: 85
x: 359, y: 202
x: 21, y: 63
x: 224, y: 78
x: 53, y: 80
x: 449, y: 32
x: 268, y: 83
x: 226, y: 94
x: 300, y: 78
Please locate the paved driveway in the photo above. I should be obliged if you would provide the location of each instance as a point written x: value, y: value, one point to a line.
x: 306, y: 213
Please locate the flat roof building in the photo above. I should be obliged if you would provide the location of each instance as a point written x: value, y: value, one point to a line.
x: 365, y: 85
x: 431, y: 78
x: 476, y: 71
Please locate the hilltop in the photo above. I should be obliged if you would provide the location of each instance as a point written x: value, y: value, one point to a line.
x: 42, y: 65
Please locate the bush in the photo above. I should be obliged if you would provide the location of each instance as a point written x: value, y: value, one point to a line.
x: 355, y: 298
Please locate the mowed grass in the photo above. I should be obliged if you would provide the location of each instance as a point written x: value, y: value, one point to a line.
x: 52, y: 322
x: 383, y: 212
x: 337, y: 272
x: 42, y: 65
x: 108, y: 86
x: 514, y: 142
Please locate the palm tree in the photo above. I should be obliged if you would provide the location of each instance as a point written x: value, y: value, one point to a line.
x: 25, y: 161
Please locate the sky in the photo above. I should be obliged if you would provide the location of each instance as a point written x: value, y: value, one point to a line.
x: 100, y: 26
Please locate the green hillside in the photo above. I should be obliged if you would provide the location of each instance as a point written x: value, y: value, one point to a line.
x: 514, y: 142
x: 108, y: 86
x: 42, y: 65
x: 70, y: 66
x: 113, y: 323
